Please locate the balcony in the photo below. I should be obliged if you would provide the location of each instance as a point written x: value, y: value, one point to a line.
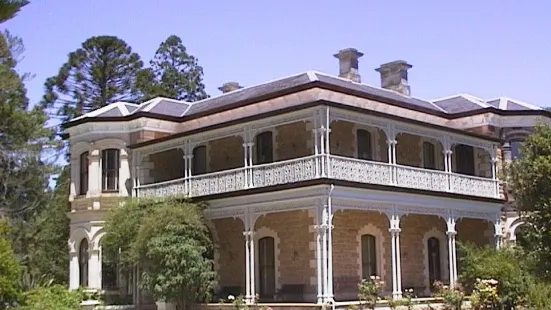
x: 315, y: 167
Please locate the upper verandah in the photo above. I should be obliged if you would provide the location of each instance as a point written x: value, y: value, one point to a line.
x: 392, y: 98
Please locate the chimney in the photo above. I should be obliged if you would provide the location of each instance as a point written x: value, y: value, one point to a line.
x: 348, y: 64
x: 394, y: 76
x: 230, y: 86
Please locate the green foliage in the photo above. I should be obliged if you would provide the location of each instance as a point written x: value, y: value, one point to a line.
x: 9, y: 270
x: 504, y: 265
x: 10, y: 8
x: 169, y: 240
x: 530, y: 180
x: 173, y: 73
x: 485, y: 295
x: 99, y: 73
x: 539, y: 296
x: 54, y: 297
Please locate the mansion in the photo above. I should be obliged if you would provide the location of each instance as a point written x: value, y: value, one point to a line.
x: 313, y: 181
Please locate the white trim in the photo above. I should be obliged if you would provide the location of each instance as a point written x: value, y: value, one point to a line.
x: 379, y: 248
x: 259, y: 234
x: 444, y: 259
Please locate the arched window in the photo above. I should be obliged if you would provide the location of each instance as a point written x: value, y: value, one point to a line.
x: 199, y: 160
x: 264, y: 148
x: 435, y: 264
x: 266, y: 267
x: 369, y: 256
x: 516, y: 146
x: 83, y: 262
x: 83, y: 186
x: 110, y: 169
x: 429, y: 156
x: 363, y: 144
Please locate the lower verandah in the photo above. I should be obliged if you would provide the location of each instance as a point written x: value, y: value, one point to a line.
x: 285, y: 253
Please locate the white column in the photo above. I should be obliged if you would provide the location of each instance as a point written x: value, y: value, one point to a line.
x: 94, y: 173
x: 395, y: 254
x: 124, y: 173
x: 319, y: 265
x: 451, y: 232
x: 448, y: 165
x: 246, y: 163
x: 252, y: 266
x: 75, y: 178
x: 323, y: 159
x: 250, y: 147
x: 247, y: 266
x: 94, y: 269
x: 324, y: 254
x: 74, y: 276
x: 315, y: 133
x: 330, y: 255
x: 493, y: 162
x: 498, y: 235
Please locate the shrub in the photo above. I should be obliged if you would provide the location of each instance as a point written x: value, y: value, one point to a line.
x: 484, y: 295
x: 369, y: 291
x: 503, y: 265
x: 452, y: 298
x: 56, y: 297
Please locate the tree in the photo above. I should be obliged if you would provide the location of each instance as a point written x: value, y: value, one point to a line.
x: 10, y: 8
x: 170, y: 243
x: 173, y: 73
x: 530, y: 180
x: 99, y: 73
x: 9, y: 270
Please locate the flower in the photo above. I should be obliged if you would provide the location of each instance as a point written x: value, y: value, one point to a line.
x: 493, y: 282
x: 231, y: 297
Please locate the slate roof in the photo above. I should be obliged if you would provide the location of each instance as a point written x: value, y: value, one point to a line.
x: 175, y: 108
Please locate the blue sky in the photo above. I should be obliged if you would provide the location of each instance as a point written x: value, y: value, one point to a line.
x: 487, y: 48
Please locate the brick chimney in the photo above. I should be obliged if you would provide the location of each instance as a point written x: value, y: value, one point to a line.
x: 394, y: 76
x: 230, y: 86
x: 348, y: 64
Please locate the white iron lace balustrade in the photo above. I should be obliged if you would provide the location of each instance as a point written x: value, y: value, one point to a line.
x: 475, y: 186
x: 163, y: 189
x: 361, y: 171
x: 284, y: 172
x: 419, y: 178
x: 218, y: 182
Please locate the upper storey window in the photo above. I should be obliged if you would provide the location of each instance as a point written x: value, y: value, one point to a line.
x: 264, y: 148
x: 83, y: 186
x: 516, y: 146
x: 363, y: 141
x: 429, y: 156
x: 110, y: 169
x: 199, y: 160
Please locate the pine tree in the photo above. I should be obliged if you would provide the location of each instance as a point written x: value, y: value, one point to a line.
x: 173, y: 73
x: 99, y: 73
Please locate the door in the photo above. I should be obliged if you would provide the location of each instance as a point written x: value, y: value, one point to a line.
x: 266, y: 267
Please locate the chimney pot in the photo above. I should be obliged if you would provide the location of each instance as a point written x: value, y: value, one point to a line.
x: 229, y: 86
x: 394, y: 76
x: 348, y: 64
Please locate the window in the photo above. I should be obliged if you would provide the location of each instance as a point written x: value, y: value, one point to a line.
x: 109, y: 270
x: 433, y: 250
x: 429, y: 156
x: 369, y: 256
x: 363, y: 141
x: 516, y: 146
x: 264, y: 148
x: 83, y: 188
x: 83, y: 262
x: 110, y: 169
x: 199, y: 161
x: 464, y: 156
x: 266, y: 267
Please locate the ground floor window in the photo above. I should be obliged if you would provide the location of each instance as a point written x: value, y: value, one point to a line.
x: 266, y: 267
x: 435, y: 264
x: 369, y: 256
x: 83, y: 263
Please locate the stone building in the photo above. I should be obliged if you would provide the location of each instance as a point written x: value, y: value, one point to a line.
x: 314, y: 181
